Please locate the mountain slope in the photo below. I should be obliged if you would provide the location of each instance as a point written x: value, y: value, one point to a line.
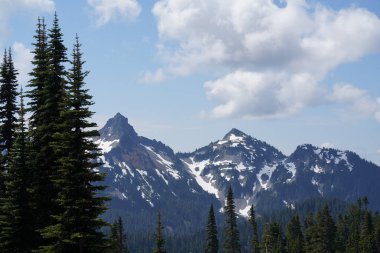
x: 144, y: 175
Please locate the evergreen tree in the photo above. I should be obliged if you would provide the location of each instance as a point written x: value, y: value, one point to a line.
x: 231, y: 233
x: 367, y: 240
x: 341, y: 234
x: 212, y: 233
x: 118, y: 237
x: 255, y: 246
x: 310, y: 233
x: 294, y: 236
x: 377, y: 234
x: 272, y: 241
x: 15, y: 236
x: 41, y: 187
x: 76, y: 227
x: 160, y: 241
x: 323, y: 237
x: 354, y: 220
x: 8, y: 104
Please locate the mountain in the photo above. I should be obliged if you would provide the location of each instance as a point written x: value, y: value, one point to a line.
x: 144, y: 175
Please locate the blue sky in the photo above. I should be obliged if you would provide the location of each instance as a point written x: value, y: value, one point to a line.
x: 187, y: 71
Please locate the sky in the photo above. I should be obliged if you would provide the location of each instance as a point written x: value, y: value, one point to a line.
x: 185, y: 72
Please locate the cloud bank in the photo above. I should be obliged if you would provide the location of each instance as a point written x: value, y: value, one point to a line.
x: 274, y: 58
x: 106, y: 11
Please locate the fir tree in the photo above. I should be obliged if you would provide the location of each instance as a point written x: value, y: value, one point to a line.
x: 367, y: 241
x: 341, y: 234
x: 294, y: 236
x: 255, y: 246
x: 15, y: 236
x: 41, y: 187
x: 231, y: 233
x: 273, y: 241
x: 212, y: 233
x: 310, y: 233
x: 160, y: 241
x: 118, y: 237
x: 8, y: 104
x: 76, y: 227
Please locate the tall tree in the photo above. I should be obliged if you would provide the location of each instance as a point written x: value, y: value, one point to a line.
x: 160, y: 241
x: 255, y: 245
x: 231, y: 232
x: 294, y: 236
x: 212, y: 243
x: 272, y: 240
x: 8, y: 104
x: 41, y: 187
x: 76, y: 227
x: 118, y: 237
x: 15, y: 236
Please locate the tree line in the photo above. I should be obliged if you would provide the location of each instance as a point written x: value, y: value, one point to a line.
x: 48, y: 179
x: 357, y: 230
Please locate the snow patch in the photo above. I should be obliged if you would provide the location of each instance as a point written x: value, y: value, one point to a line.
x: 196, y: 169
x: 268, y: 170
x: 106, y: 146
x: 245, y: 211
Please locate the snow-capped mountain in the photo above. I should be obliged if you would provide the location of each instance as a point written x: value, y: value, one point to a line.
x: 144, y: 174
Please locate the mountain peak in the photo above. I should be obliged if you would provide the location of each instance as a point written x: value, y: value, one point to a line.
x: 117, y: 127
x: 234, y: 133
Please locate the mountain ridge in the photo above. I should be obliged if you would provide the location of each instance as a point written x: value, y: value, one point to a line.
x: 146, y: 174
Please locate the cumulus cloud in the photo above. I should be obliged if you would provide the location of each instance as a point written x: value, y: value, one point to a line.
x: 275, y: 57
x: 106, y: 11
x: 22, y: 60
x: 10, y: 7
x: 358, y: 100
x: 156, y: 76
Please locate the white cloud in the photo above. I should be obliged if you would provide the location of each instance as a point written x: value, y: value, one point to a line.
x: 10, y: 7
x: 153, y: 77
x: 22, y: 60
x: 327, y: 145
x: 106, y: 11
x: 275, y: 58
x: 359, y: 102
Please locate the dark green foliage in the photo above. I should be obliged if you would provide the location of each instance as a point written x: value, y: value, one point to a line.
x: 294, y: 236
x: 43, y: 162
x: 118, y: 238
x: 272, y: 239
x: 255, y: 245
x: 17, y: 228
x: 231, y: 232
x: 76, y: 227
x: 8, y: 105
x: 212, y: 233
x: 160, y: 241
x: 341, y: 234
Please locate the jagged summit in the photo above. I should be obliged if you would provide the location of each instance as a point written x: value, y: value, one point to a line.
x: 117, y: 127
x: 234, y: 133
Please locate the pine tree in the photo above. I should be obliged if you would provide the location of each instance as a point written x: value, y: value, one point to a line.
x: 324, y: 236
x: 118, y: 238
x: 272, y: 241
x: 160, y: 241
x: 231, y: 233
x: 8, y: 104
x: 294, y: 236
x: 367, y: 240
x: 76, y: 227
x: 255, y: 246
x: 212, y: 233
x: 15, y: 236
x: 41, y: 187
x: 310, y: 233
x: 341, y: 234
